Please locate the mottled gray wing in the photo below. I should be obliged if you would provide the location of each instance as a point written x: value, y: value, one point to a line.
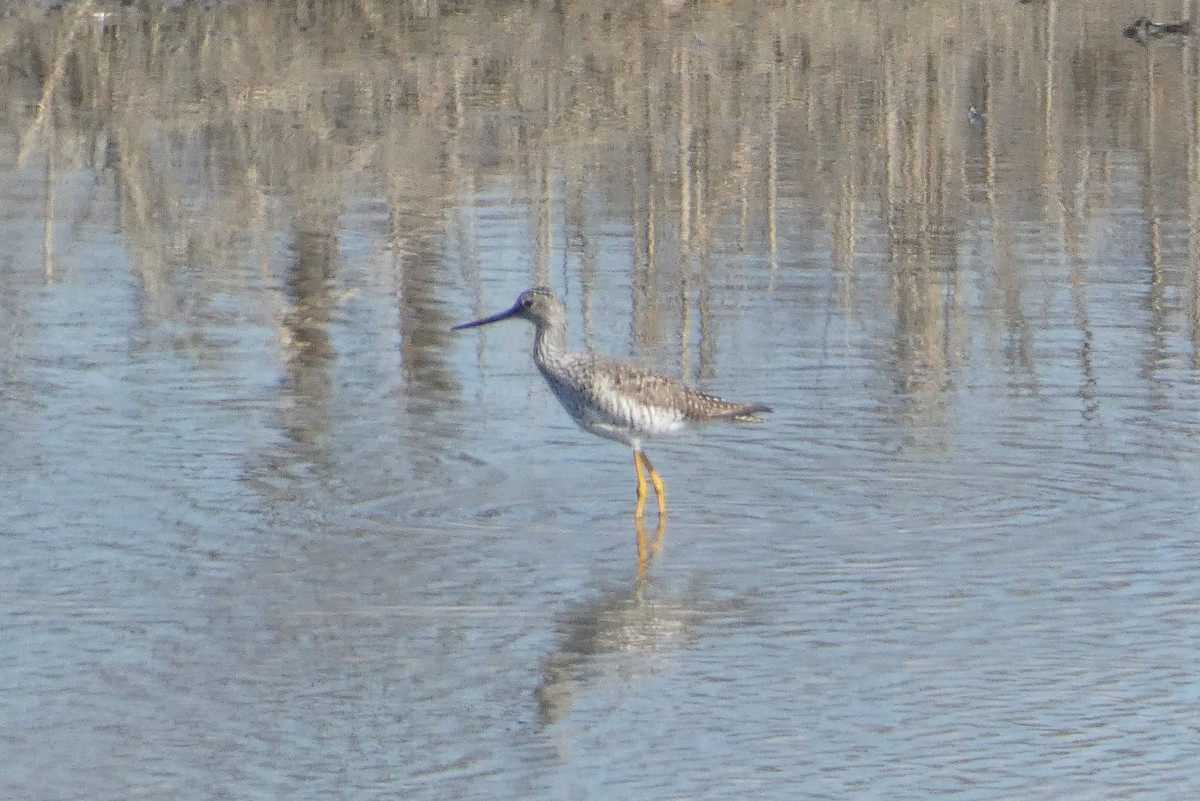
x: 610, y: 385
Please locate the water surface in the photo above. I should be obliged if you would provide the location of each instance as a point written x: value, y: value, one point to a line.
x: 271, y: 529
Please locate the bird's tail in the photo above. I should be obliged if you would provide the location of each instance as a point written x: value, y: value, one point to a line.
x: 745, y: 413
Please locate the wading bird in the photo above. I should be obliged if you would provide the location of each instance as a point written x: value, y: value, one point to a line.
x: 611, y: 398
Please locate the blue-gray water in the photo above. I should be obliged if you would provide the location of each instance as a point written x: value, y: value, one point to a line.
x: 269, y: 529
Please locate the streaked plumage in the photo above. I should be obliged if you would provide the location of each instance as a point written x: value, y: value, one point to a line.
x: 611, y: 398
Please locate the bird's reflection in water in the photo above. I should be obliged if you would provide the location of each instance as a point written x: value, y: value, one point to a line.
x: 610, y: 641
x: 647, y: 548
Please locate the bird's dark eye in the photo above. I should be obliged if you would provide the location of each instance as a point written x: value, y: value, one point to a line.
x: 526, y: 302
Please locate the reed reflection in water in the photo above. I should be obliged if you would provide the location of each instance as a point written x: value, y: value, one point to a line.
x: 269, y: 528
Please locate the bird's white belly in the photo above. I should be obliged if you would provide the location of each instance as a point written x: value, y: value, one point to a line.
x: 621, y: 419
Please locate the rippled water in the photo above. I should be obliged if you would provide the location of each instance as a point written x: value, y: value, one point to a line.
x: 268, y: 528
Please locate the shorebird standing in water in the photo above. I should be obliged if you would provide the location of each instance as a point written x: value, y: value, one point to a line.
x: 611, y: 398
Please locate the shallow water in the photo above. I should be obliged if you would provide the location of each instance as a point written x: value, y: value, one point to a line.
x: 270, y: 529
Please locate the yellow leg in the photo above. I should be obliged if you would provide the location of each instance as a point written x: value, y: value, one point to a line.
x: 659, y: 490
x: 641, y: 485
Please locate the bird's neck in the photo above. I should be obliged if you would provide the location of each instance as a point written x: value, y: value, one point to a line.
x: 549, y: 344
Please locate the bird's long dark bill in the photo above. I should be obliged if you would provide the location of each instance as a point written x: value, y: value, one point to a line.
x: 495, y: 318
